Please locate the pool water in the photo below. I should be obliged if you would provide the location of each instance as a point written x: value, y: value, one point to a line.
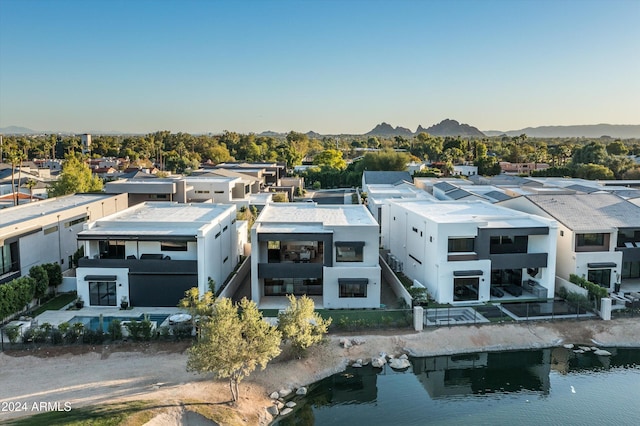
x: 93, y: 323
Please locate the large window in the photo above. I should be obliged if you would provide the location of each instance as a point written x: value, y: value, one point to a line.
x: 296, y: 286
x: 349, y: 251
x: 9, y: 258
x: 173, y: 245
x: 466, y: 289
x: 102, y: 293
x: 353, y: 288
x: 111, y: 249
x: 508, y: 244
x: 602, y: 277
x: 592, y: 240
x: 461, y: 245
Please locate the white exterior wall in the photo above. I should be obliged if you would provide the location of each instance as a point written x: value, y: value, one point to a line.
x: 122, y: 282
x: 331, y: 288
x: 545, y: 244
x: 226, y: 186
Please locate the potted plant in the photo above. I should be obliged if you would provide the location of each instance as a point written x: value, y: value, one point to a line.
x: 124, y: 303
x: 79, y: 302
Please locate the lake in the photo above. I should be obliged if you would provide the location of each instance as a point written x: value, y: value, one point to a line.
x: 550, y: 386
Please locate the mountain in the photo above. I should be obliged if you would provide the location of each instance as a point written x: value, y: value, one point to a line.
x: 387, y: 130
x: 622, y: 131
x: 16, y: 130
x: 449, y: 127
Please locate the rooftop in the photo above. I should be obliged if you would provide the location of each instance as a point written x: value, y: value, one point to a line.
x: 311, y: 213
x: 24, y: 212
x: 481, y: 212
x: 158, y: 218
x: 588, y: 212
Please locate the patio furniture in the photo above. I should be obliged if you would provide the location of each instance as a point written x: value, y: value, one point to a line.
x: 514, y: 290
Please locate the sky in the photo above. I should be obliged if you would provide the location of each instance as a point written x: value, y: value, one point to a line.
x: 335, y: 66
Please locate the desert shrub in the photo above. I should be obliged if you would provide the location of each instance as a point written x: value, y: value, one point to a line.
x: 135, y: 330
x: 93, y: 337
x: 56, y: 337
x: 115, y: 330
x: 12, y: 332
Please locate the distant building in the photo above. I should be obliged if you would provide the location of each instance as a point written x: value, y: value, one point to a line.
x: 85, y: 140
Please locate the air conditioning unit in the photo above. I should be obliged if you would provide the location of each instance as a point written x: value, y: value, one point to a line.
x: 398, y: 266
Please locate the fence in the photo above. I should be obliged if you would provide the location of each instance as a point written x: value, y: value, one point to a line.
x: 479, y: 314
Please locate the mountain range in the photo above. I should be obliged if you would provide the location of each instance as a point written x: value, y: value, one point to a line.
x: 446, y: 127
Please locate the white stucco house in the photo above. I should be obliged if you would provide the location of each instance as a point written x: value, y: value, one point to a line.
x: 153, y: 252
x: 598, y: 234
x: 473, y: 251
x: 45, y: 232
x: 328, y: 252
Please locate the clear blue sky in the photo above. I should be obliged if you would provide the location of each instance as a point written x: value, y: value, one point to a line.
x: 331, y: 66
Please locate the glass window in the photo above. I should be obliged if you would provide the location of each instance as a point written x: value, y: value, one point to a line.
x: 173, y: 245
x: 461, y: 245
x: 349, y: 251
x: 602, y: 277
x: 9, y: 258
x: 102, y: 293
x: 111, y: 249
x: 348, y: 289
x: 465, y: 289
x: 589, y: 240
x: 507, y: 244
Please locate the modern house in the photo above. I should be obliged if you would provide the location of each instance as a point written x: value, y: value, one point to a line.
x: 598, y: 234
x: 328, y: 252
x: 473, y: 251
x: 45, y: 232
x: 153, y: 252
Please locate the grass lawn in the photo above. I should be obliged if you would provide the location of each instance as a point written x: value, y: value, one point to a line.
x: 56, y: 303
x: 361, y: 318
x: 132, y: 413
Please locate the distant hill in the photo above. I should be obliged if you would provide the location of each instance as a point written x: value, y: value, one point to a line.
x: 449, y: 127
x: 444, y: 128
x: 387, y: 130
x: 16, y: 130
x: 622, y: 131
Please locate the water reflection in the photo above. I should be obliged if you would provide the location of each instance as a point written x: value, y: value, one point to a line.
x: 437, y: 388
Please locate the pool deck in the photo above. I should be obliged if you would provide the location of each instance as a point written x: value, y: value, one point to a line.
x: 57, y: 317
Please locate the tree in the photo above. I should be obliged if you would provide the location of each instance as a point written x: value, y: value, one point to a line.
x: 301, y: 325
x: 234, y: 342
x: 593, y: 171
x: 30, y: 184
x: 75, y: 177
x: 39, y: 274
x: 54, y: 272
x: 617, y: 148
x: 331, y: 158
x: 199, y: 307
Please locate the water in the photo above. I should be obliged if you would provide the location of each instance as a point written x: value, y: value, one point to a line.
x: 93, y: 323
x: 550, y: 386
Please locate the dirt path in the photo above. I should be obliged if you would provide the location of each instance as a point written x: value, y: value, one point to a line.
x: 156, y: 371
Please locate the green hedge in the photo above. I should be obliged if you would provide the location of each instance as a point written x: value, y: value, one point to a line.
x: 15, y: 295
x: 594, y: 290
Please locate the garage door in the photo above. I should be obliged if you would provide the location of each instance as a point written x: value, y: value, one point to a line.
x: 159, y: 290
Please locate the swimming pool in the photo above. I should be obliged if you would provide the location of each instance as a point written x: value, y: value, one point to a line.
x: 93, y: 323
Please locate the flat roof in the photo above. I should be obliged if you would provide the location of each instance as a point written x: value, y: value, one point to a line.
x: 312, y: 213
x: 158, y: 218
x: 481, y: 212
x: 205, y: 179
x: 24, y: 212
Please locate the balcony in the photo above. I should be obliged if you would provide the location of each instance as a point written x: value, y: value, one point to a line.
x: 290, y: 270
x: 154, y: 266
x: 518, y: 260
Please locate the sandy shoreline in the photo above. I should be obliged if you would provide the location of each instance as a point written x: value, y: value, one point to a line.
x: 102, y: 376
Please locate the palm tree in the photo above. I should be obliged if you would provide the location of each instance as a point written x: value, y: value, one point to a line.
x: 31, y: 183
x: 14, y: 157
